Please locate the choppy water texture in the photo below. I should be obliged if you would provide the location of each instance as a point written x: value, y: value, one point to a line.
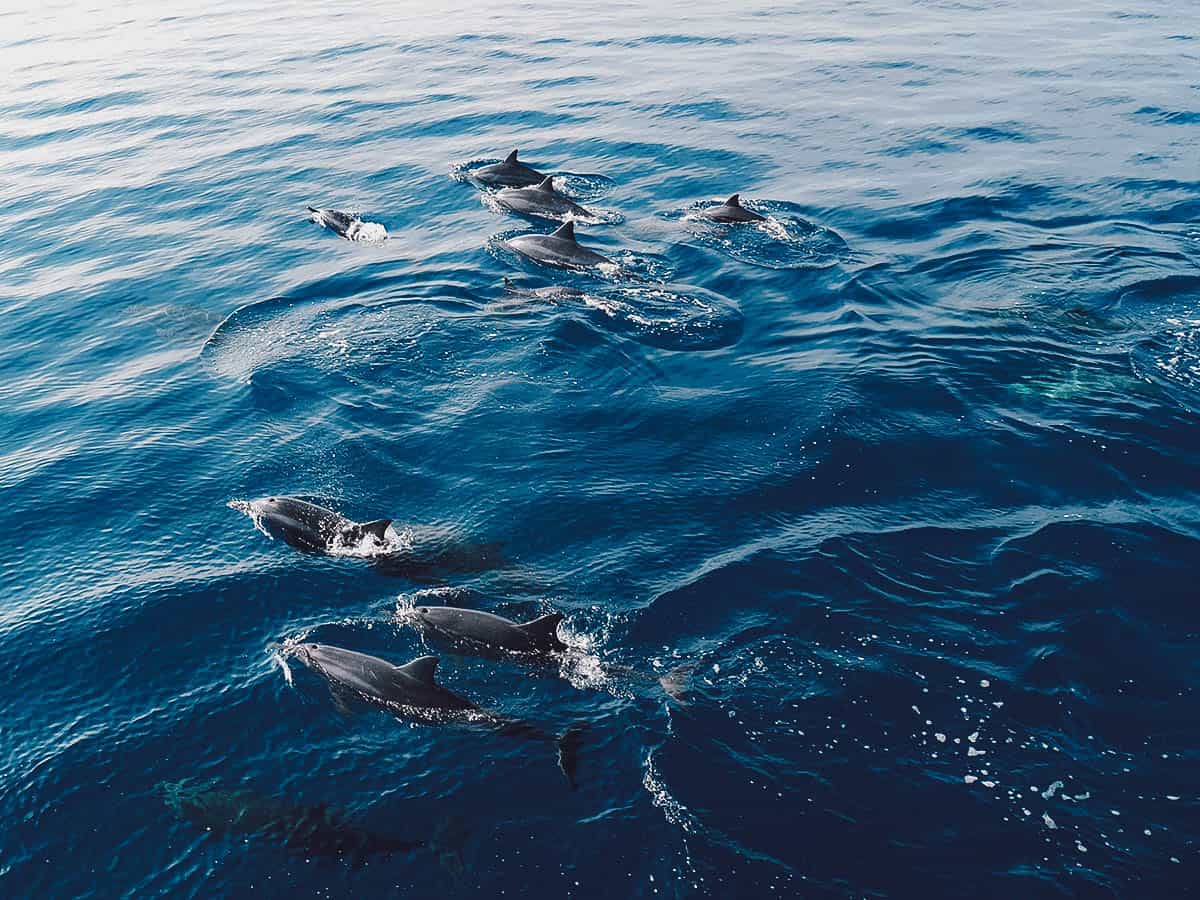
x: 907, y: 476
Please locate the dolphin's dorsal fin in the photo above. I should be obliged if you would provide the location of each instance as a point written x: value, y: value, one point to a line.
x: 357, y: 531
x: 421, y: 668
x: 735, y: 200
x: 566, y: 230
x: 545, y: 629
x: 511, y: 159
x: 547, y: 184
x: 377, y: 528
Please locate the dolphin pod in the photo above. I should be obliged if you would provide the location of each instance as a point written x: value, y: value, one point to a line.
x: 412, y: 689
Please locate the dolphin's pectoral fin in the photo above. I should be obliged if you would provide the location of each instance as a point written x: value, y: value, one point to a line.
x: 511, y: 159
x: 566, y: 230
x: 568, y: 752
x: 547, y: 184
x: 340, y: 702
x: 544, y: 631
x: 422, y: 668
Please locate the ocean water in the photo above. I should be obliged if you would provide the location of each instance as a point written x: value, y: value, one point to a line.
x: 902, y: 485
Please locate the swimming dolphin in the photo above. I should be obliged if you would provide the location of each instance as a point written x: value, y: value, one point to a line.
x: 313, y: 830
x: 492, y: 632
x: 376, y: 679
x: 485, y: 634
x: 509, y: 173
x: 731, y: 211
x: 559, y: 248
x: 307, y: 526
x: 541, y: 200
x: 348, y: 225
x: 412, y: 687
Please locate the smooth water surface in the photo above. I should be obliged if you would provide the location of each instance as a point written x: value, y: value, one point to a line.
x: 908, y: 477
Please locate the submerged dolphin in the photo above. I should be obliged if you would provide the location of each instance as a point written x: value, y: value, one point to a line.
x: 731, y: 211
x: 492, y: 632
x: 559, y: 248
x: 307, y: 526
x: 313, y: 830
x: 412, y: 688
x: 541, y: 200
x: 510, y: 173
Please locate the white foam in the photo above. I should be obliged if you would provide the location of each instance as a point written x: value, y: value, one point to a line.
x: 287, y: 671
x: 367, y: 232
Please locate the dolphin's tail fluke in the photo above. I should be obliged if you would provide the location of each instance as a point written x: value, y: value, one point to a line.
x: 568, y: 744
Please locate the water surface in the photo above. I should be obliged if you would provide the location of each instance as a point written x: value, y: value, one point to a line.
x: 911, y: 478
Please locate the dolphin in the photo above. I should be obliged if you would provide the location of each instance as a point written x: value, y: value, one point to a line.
x: 541, y: 200
x: 348, y: 225
x: 314, y: 830
x: 510, y: 173
x: 377, y: 680
x: 485, y: 634
x: 307, y: 526
x: 731, y: 211
x: 412, y: 688
x: 491, y: 632
x: 559, y: 248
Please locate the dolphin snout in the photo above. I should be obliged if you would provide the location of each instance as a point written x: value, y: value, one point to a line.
x: 304, y: 653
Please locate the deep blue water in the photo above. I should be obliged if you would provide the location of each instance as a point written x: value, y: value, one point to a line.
x: 911, y: 476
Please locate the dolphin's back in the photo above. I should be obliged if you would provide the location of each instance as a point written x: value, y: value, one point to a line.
x: 555, y: 250
x: 491, y: 630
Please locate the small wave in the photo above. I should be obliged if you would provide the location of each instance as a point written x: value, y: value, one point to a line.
x: 670, y: 320
x: 583, y: 188
x: 674, y: 811
x: 783, y: 240
x: 1171, y: 360
x: 267, y: 332
x: 691, y: 319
